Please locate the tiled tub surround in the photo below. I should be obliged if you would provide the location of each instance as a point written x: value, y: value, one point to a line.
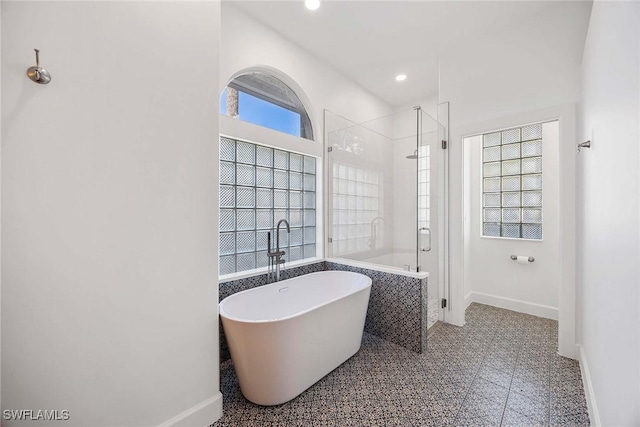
x: 501, y: 368
x: 433, y: 305
x: 397, y: 259
x: 397, y: 306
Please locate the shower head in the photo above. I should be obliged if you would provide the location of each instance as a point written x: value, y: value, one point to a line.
x: 413, y: 156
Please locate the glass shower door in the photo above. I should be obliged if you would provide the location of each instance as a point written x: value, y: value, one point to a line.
x: 372, y: 189
x: 429, y: 161
x: 427, y: 151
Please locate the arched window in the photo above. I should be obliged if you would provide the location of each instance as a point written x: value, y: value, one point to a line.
x: 265, y: 100
x: 263, y: 182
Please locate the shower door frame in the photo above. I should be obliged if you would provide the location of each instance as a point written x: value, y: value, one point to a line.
x: 439, y: 155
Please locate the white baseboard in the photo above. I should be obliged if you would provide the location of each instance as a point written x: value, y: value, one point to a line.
x: 468, y: 299
x: 539, y: 310
x: 202, y: 415
x: 594, y: 415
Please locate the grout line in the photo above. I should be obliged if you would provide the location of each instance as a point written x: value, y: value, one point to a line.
x: 475, y: 376
x: 504, y: 410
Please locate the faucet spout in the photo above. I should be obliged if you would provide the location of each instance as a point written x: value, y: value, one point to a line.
x: 278, y: 232
x: 277, y: 255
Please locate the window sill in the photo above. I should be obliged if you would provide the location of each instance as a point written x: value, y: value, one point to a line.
x: 516, y: 239
x: 263, y: 270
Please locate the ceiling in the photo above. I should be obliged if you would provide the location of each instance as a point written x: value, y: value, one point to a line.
x: 371, y: 42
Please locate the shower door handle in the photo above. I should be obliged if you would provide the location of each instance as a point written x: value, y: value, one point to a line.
x: 428, y: 232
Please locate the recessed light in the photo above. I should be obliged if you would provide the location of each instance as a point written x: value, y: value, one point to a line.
x: 401, y: 77
x: 312, y: 4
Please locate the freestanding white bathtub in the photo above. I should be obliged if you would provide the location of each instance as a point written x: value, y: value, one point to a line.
x: 285, y: 336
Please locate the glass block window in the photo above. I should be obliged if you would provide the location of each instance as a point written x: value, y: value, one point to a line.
x: 512, y: 183
x: 424, y: 186
x: 357, y: 196
x: 259, y: 186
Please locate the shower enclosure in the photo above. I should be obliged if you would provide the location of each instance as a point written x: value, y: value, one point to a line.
x: 383, y: 181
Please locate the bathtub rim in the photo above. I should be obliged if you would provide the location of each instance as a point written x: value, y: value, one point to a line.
x: 378, y: 267
x: 299, y: 313
x: 310, y: 261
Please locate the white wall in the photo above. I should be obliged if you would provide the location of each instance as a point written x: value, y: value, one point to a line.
x: 609, y: 213
x: 429, y: 105
x: 247, y: 44
x: 1, y: 406
x: 461, y: 249
x: 530, y: 288
x: 109, y: 211
x: 486, y: 86
x: 503, y: 80
x: 405, y: 184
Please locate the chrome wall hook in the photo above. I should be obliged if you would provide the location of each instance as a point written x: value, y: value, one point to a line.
x: 586, y: 144
x: 37, y: 73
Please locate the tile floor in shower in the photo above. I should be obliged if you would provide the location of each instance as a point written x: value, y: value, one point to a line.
x: 501, y: 368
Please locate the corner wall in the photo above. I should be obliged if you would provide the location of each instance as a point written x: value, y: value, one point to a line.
x: 1, y: 133
x: 532, y: 288
x: 247, y: 43
x: 109, y: 212
x: 609, y: 215
x: 490, y: 85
